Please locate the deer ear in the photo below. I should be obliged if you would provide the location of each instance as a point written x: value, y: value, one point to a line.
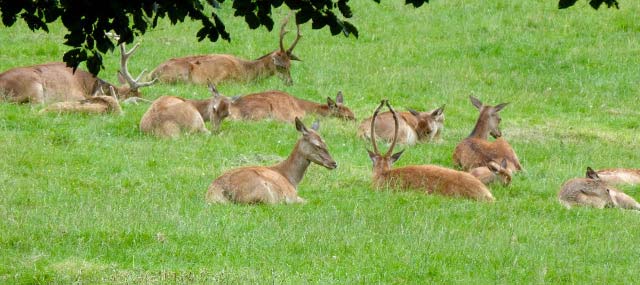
x: 331, y: 103
x: 438, y: 112
x: 499, y: 107
x: 414, y: 112
x: 503, y: 164
x: 316, y: 125
x: 592, y: 174
x: 340, y: 98
x: 475, y: 102
x: 396, y: 156
x: 493, y: 166
x: 293, y: 57
x: 121, y: 78
x: 372, y: 156
x: 300, y: 127
x: 213, y: 89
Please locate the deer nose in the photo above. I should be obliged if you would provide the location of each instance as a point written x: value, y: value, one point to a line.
x: 332, y: 165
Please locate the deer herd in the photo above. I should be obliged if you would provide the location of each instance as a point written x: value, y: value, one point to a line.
x: 479, y: 161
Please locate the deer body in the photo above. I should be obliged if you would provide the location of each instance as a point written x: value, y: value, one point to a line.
x: 273, y: 184
x: 476, y: 150
x: 218, y: 68
x: 617, y: 176
x: 94, y: 105
x: 594, y: 192
x: 425, y: 178
x: 414, y: 127
x: 278, y: 105
x: 168, y: 116
x: 493, y: 172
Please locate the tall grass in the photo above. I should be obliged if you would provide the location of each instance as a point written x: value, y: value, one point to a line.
x: 89, y: 199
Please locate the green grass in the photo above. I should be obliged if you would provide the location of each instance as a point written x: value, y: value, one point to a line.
x: 89, y: 199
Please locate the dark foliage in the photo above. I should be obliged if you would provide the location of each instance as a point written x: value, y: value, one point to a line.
x: 88, y: 20
x: 594, y: 3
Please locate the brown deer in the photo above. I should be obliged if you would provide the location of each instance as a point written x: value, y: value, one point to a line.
x: 616, y: 176
x: 277, y: 183
x: 476, y: 150
x: 414, y: 126
x: 168, y: 116
x: 55, y: 82
x: 217, y: 68
x: 594, y: 192
x: 281, y: 106
x: 424, y: 178
x: 493, y: 172
x: 99, y: 104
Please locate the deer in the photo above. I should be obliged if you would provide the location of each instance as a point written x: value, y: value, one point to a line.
x: 493, y: 172
x: 55, y: 82
x: 415, y: 127
x: 277, y: 183
x: 617, y: 176
x: 592, y: 191
x: 218, y: 68
x: 99, y: 104
x: 429, y: 179
x: 281, y: 106
x: 476, y: 150
x: 169, y: 116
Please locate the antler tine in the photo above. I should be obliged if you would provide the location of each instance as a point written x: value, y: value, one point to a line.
x: 283, y: 31
x: 124, y: 69
x: 373, y: 124
x: 295, y: 42
x: 112, y: 91
x: 395, y: 133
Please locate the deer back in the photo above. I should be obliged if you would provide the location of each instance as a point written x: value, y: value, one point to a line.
x: 168, y: 116
x: 474, y: 152
x: 616, y: 176
x: 94, y: 105
x: 492, y: 173
x: 385, y: 128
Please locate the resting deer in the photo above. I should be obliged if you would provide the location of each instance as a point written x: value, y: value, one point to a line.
x: 493, y: 172
x: 281, y: 106
x: 218, y: 68
x: 476, y: 150
x: 277, y: 183
x: 615, y: 176
x: 424, y: 178
x: 168, y: 116
x: 594, y: 192
x: 99, y: 104
x: 55, y: 82
x: 414, y: 126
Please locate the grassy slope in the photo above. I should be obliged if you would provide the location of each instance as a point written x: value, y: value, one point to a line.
x: 85, y: 198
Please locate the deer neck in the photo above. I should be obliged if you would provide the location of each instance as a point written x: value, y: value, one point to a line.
x: 203, y: 107
x: 261, y: 67
x: 312, y: 107
x: 294, y: 167
x: 481, y: 129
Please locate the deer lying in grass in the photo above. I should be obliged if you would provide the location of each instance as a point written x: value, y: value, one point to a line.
x: 277, y: 183
x: 414, y: 126
x: 99, y: 104
x: 55, y: 82
x: 425, y: 178
x: 217, y: 68
x: 615, y: 176
x: 493, y: 172
x: 281, y: 106
x: 594, y: 192
x: 168, y: 116
x: 476, y: 150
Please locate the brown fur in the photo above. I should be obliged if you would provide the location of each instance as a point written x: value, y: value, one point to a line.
x: 168, y: 116
x: 594, y: 192
x: 425, y: 178
x: 476, y: 150
x: 93, y: 105
x: 55, y: 82
x: 616, y: 176
x: 218, y: 68
x: 278, y: 105
x: 492, y: 173
x: 273, y: 184
x: 414, y: 127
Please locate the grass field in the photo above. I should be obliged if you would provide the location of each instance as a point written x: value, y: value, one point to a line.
x: 89, y: 199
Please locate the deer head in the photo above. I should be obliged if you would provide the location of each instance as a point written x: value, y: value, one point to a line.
x: 312, y: 146
x: 428, y: 122
x: 282, y: 57
x: 131, y: 90
x: 337, y: 108
x: 218, y: 108
x: 382, y: 162
x: 489, y: 117
x: 501, y: 171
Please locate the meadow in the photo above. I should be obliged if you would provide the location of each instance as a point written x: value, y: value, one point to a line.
x: 89, y: 199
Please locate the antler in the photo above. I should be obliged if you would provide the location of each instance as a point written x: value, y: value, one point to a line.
x: 395, y: 133
x: 124, y: 70
x: 295, y: 42
x: 283, y: 32
x: 373, y: 124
